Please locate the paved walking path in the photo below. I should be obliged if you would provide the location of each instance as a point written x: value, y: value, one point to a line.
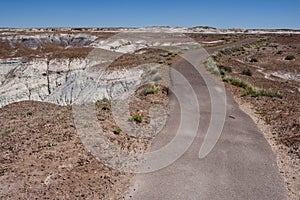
x: 240, y: 166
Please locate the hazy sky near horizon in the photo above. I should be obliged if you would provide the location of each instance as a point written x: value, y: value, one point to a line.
x: 137, y: 13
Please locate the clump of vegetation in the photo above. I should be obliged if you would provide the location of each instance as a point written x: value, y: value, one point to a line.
x: 290, y: 57
x: 225, y: 51
x: 236, y: 82
x: 151, y: 89
x: 252, y: 60
x: 250, y: 90
x: 29, y: 113
x: 246, y: 72
x: 161, y: 61
x: 211, y: 66
x: 268, y: 120
x: 105, y: 106
x: 256, y: 92
x: 216, y: 57
x: 137, y: 118
x: 235, y: 49
x: 2, y: 171
x: 246, y: 45
x: 117, y: 131
x: 261, y: 42
x: 50, y: 144
x: 232, y: 50
x: 225, y: 68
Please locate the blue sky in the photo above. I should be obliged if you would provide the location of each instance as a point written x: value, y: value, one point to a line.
x: 136, y: 13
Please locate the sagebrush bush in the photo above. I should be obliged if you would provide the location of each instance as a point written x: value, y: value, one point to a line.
x: 246, y: 72
x: 290, y: 57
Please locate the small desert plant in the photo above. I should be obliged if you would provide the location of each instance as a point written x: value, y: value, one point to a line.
x: 29, y: 113
x: 236, y: 82
x: 253, y: 60
x: 268, y: 120
x: 246, y: 72
x: 234, y: 49
x: 250, y: 90
x: 225, y: 68
x: 210, y: 66
x: 105, y: 106
x: 290, y: 57
x: 117, y: 131
x: 225, y: 51
x: 270, y: 93
x: 151, y: 89
x: 256, y: 92
x: 137, y: 118
x: 161, y: 61
x: 50, y: 144
x: 2, y: 171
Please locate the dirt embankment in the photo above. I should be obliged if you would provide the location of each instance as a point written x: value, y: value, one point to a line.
x: 42, y: 156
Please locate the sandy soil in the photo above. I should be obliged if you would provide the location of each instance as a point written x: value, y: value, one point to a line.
x: 41, y: 155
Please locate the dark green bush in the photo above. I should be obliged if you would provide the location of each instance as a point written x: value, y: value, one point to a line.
x: 253, y: 60
x: 225, y: 68
x: 117, y: 131
x: 151, y: 89
x: 290, y: 57
x: 246, y: 72
x: 137, y: 118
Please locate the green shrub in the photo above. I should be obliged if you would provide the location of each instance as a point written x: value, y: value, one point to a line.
x: 225, y: 68
x: 253, y: 60
x: 152, y: 89
x: 250, y: 90
x: 137, y: 118
x: 105, y: 106
x: 210, y: 66
x: 2, y: 171
x: 246, y: 72
x: 226, y: 51
x: 236, y: 82
x: 161, y: 61
x: 268, y: 120
x: 290, y: 57
x: 117, y: 131
x: 235, y: 49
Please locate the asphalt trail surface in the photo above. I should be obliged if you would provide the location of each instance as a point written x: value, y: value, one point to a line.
x: 240, y: 166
